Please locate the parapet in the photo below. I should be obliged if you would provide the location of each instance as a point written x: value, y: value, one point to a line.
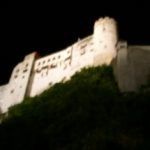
x: 105, y: 20
x: 106, y: 29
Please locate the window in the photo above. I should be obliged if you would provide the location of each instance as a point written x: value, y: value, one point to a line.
x: 17, y: 70
x: 25, y: 70
x: 15, y: 76
x: 83, y: 46
x: 53, y: 65
x: 12, y: 91
x: 50, y: 83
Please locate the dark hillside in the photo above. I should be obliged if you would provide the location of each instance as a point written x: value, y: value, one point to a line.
x: 86, y: 113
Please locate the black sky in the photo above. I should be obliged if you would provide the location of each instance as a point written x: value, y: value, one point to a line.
x: 47, y: 26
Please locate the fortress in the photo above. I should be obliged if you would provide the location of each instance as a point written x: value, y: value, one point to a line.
x: 131, y: 64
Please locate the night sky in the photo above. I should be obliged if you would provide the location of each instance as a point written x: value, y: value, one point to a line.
x: 49, y: 27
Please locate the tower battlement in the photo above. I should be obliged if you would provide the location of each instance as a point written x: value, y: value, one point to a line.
x: 106, y: 20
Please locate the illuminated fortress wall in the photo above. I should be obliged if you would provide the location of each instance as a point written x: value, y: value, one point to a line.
x: 16, y: 89
x: 93, y: 50
x: 34, y: 75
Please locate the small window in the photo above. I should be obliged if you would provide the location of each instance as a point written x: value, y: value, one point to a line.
x: 39, y: 63
x: 25, y: 70
x: 15, y: 76
x: 17, y: 70
x: 49, y: 60
x: 23, y: 77
x: 50, y: 83
x: 12, y: 91
x: 59, y: 57
x: 53, y: 58
x: 44, y: 62
x: 26, y: 65
x: 83, y: 46
x: 53, y: 65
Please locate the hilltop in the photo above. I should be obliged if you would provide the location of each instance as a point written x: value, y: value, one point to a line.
x: 87, y: 112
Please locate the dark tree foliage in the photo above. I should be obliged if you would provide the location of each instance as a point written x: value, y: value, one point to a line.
x: 86, y: 113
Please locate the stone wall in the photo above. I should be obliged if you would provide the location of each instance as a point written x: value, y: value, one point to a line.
x: 132, y: 67
x: 34, y: 75
x: 16, y: 88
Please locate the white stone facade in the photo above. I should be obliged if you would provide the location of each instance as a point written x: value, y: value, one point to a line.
x: 16, y: 89
x: 34, y: 74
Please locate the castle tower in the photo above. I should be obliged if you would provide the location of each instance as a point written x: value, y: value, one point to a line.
x: 105, y: 40
x: 16, y: 89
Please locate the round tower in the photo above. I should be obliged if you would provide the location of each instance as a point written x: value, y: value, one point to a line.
x: 105, y: 39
